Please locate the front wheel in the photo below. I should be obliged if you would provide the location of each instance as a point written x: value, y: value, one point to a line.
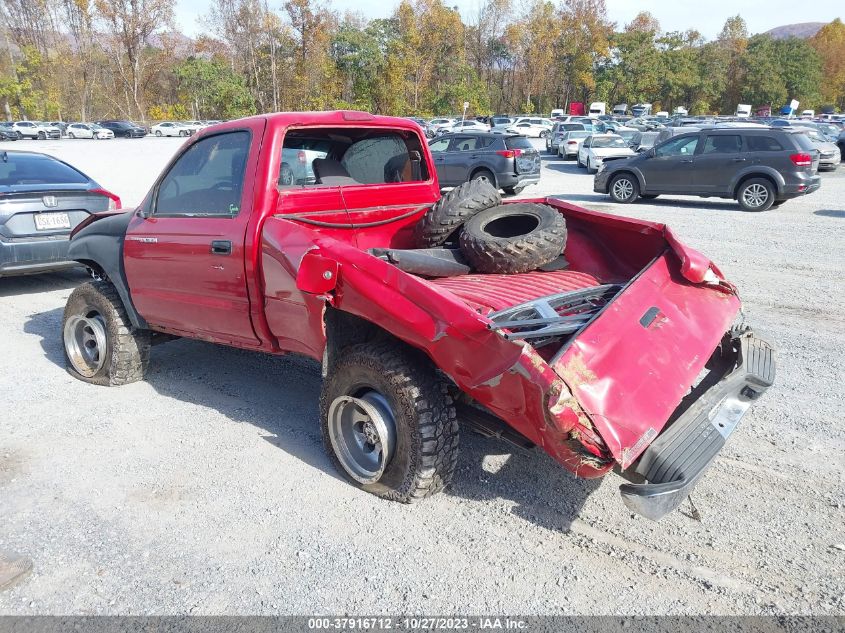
x: 756, y: 194
x: 388, y: 422
x: 624, y: 189
x: 101, y: 346
x: 42, y: 136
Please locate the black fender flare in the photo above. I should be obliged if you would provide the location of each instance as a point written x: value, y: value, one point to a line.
x: 99, y: 245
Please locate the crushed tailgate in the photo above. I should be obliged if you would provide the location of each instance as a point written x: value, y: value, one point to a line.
x: 634, y: 363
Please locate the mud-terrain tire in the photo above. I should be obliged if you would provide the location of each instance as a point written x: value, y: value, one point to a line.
x: 101, y: 345
x: 452, y: 210
x: 513, y: 238
x: 418, y: 459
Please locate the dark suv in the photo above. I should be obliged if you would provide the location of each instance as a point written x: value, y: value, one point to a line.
x: 126, y: 129
x: 757, y: 167
x: 508, y: 162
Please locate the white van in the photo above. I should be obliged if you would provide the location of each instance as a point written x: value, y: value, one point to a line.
x: 743, y: 110
x: 557, y: 113
x: 809, y: 114
x: 597, y: 109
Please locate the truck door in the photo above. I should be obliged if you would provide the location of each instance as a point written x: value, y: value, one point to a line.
x: 184, y: 249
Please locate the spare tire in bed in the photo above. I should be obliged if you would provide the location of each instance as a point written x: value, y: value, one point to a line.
x: 452, y: 210
x: 513, y: 238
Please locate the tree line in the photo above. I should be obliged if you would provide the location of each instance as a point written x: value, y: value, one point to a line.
x: 87, y: 59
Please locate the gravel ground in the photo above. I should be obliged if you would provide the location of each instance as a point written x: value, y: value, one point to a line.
x: 205, y: 489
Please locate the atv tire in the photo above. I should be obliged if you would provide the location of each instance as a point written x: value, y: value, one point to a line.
x: 452, y: 210
x: 513, y: 238
x: 101, y: 345
x: 411, y: 451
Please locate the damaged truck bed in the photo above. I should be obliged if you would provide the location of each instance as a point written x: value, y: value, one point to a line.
x: 624, y: 354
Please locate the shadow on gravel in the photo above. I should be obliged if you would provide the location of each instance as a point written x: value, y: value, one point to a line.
x: 543, y: 492
x: 830, y: 213
x: 280, y: 394
x: 44, y: 282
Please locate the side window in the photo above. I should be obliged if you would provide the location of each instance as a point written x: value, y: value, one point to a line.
x: 462, y: 144
x: 588, y: 141
x: 207, y: 179
x: 684, y: 146
x: 762, y: 144
x: 723, y: 144
x: 439, y: 145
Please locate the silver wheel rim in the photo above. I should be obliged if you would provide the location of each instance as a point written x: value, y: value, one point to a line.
x: 85, y: 342
x: 482, y: 178
x: 623, y: 189
x: 755, y: 195
x: 363, y: 435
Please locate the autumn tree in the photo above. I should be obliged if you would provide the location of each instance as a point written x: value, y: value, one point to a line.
x: 829, y: 44
x: 130, y: 26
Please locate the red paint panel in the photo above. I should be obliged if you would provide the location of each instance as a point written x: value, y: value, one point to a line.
x: 630, y: 377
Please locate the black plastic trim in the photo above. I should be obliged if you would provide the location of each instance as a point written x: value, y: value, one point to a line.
x: 100, y: 245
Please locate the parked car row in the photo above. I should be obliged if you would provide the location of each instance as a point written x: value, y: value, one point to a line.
x: 105, y: 129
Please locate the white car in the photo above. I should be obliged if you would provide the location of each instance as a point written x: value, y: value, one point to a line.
x: 599, y: 147
x: 171, y: 128
x: 88, y: 130
x: 196, y: 126
x: 570, y: 143
x: 36, y: 129
x: 441, y: 124
x: 533, y: 127
x: 469, y: 125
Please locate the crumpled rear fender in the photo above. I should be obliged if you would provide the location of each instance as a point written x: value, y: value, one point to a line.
x: 508, y: 378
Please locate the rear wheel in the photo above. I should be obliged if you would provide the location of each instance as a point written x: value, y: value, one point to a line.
x: 624, y: 188
x: 70, y: 135
x: 756, y: 194
x: 158, y: 132
x: 484, y: 175
x: 101, y: 346
x: 388, y: 422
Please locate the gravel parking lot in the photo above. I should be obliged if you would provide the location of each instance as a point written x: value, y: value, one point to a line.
x: 205, y: 489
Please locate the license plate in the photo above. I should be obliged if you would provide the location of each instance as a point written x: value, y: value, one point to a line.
x: 49, y: 221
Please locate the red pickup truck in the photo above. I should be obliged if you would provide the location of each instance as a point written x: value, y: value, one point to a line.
x: 623, y: 356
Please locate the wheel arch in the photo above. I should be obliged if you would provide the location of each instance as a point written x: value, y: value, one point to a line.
x: 772, y: 176
x: 629, y: 172
x: 487, y: 168
x: 99, y: 246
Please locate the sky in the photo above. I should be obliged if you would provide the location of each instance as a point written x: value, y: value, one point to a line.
x: 707, y: 16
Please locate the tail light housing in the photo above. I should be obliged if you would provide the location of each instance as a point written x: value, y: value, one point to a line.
x: 801, y: 159
x: 509, y: 153
x: 301, y: 157
x: 114, y: 201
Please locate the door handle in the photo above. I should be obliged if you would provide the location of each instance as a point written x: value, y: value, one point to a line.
x: 739, y: 160
x: 687, y: 160
x: 221, y: 247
